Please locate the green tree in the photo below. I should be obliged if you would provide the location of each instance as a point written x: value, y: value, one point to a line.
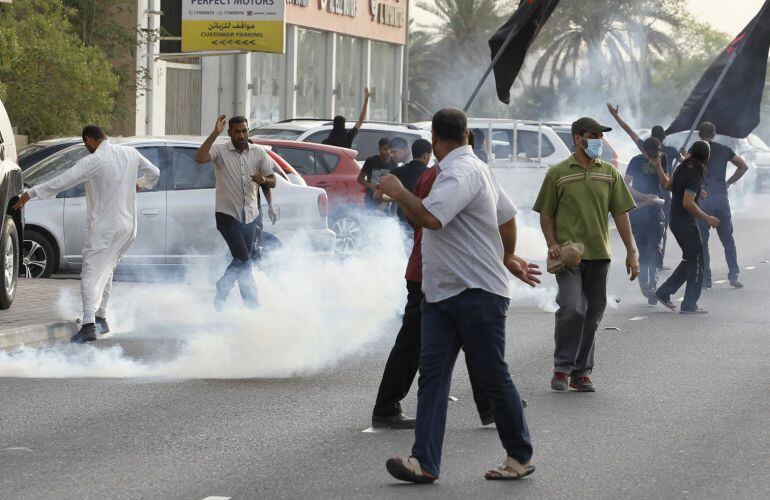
x: 53, y: 84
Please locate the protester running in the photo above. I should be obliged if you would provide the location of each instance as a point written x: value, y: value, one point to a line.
x: 574, y: 202
x: 110, y: 176
x: 344, y: 138
x: 240, y: 169
x: 374, y: 168
x: 467, y: 251
x: 647, y: 219
x: 717, y: 203
x: 686, y: 187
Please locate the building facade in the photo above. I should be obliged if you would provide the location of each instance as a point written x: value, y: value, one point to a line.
x: 334, y: 48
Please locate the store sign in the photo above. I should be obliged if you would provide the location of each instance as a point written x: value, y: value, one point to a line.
x: 252, y: 25
x: 342, y: 7
x: 387, y: 14
x: 300, y: 3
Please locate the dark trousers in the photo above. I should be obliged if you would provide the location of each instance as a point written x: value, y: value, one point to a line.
x: 690, y: 270
x: 582, y: 298
x: 474, y: 321
x: 647, y: 224
x: 719, y: 207
x: 240, y: 239
x: 402, y: 364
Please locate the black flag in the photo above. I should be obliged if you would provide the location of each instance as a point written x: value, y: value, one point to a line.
x: 735, y: 106
x: 523, y: 26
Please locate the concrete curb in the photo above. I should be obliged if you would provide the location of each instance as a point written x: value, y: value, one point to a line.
x: 33, y: 334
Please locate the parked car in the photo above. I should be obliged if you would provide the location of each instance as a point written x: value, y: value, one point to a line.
x: 176, y: 219
x: 759, y: 156
x: 39, y: 151
x: 313, y: 130
x: 335, y: 170
x: 12, y: 228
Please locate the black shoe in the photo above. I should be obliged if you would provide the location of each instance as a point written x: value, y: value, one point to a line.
x: 665, y: 300
x: 399, y: 421
x: 736, y: 284
x: 102, y: 327
x: 87, y: 333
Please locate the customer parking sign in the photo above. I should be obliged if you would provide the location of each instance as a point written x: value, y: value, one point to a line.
x: 252, y: 25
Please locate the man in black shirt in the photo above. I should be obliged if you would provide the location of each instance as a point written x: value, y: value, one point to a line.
x: 717, y: 204
x: 647, y: 219
x: 344, y: 138
x: 375, y: 167
x: 410, y: 173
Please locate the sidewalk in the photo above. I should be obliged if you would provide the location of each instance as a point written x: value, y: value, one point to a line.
x: 35, y: 315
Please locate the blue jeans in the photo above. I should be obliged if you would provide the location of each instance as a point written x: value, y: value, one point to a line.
x: 719, y: 207
x: 474, y: 320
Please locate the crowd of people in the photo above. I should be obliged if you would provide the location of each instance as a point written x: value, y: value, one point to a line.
x: 464, y: 232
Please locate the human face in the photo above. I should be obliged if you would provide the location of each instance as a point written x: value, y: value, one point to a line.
x: 652, y: 155
x: 582, y: 139
x: 91, y: 144
x: 384, y: 152
x: 239, y: 134
x: 399, y: 155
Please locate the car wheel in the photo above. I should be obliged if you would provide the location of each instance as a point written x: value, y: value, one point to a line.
x: 348, y: 231
x: 9, y: 274
x: 38, y: 257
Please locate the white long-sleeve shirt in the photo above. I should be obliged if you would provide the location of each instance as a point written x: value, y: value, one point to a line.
x: 110, y: 176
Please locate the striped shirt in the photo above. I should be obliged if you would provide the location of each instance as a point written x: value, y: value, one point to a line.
x: 467, y: 252
x: 236, y: 192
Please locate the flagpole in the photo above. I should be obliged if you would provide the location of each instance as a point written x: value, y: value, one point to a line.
x: 497, y: 57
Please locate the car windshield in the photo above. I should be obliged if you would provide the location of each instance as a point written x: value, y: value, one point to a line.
x: 758, y: 143
x: 280, y: 134
x: 30, y: 149
x: 54, y: 165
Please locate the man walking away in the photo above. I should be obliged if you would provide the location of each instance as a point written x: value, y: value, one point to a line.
x: 374, y: 168
x: 110, y: 176
x: 411, y: 172
x: 344, y: 138
x: 574, y: 202
x: 717, y: 203
x: 647, y: 219
x: 467, y: 252
x: 240, y: 169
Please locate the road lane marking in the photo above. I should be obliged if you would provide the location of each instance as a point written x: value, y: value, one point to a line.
x: 17, y: 448
x: 638, y: 318
x: 217, y: 498
x: 370, y: 430
x: 749, y: 268
x: 719, y: 282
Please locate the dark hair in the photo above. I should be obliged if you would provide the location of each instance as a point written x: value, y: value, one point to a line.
x: 338, y: 122
x: 699, y: 154
x: 450, y: 124
x: 383, y: 142
x: 420, y: 147
x: 236, y: 120
x: 658, y: 132
x: 479, y: 135
x: 94, y: 132
x: 398, y: 142
x: 650, y: 145
x: 707, y: 130
x: 471, y: 139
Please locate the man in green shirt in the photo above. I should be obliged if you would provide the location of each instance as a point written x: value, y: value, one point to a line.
x: 574, y: 202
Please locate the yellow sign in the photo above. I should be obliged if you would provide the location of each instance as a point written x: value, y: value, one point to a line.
x: 252, y: 25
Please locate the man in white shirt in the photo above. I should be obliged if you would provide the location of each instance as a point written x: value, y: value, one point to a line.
x: 468, y: 250
x: 110, y: 176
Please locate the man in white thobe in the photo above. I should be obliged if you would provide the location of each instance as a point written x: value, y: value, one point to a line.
x: 110, y: 175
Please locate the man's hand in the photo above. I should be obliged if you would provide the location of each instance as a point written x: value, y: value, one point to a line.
x: 258, y: 178
x: 632, y: 265
x: 523, y: 270
x: 712, y: 221
x: 220, y: 125
x: 554, y: 251
x: 272, y: 214
x: 655, y: 162
x: 613, y: 110
x: 390, y: 185
x: 138, y: 188
x: 23, y: 199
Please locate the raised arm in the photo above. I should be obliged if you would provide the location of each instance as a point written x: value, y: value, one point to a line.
x: 743, y: 167
x: 614, y: 111
x: 203, y: 155
x: 364, y: 108
x: 150, y: 173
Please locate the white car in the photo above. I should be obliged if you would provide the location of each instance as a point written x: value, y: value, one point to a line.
x: 519, y: 153
x: 12, y: 221
x: 175, y: 220
x: 366, y: 142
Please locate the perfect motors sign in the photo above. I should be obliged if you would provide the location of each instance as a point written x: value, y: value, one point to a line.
x: 252, y: 25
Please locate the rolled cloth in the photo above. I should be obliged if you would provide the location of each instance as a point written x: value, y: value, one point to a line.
x: 571, y: 255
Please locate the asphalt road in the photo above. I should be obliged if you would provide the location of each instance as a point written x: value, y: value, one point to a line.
x: 681, y: 412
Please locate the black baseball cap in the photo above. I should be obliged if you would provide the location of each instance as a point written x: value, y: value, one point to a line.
x: 587, y: 124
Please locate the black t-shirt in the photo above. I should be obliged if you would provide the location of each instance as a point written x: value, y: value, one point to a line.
x: 374, y: 168
x: 342, y: 141
x: 409, y: 174
x: 644, y: 176
x: 686, y: 178
x: 716, y: 177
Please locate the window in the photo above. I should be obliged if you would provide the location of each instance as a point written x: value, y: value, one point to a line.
x: 311, y: 74
x: 267, y: 87
x: 279, y: 134
x: 349, y: 82
x: 383, y: 64
x: 331, y: 160
x: 304, y: 161
x: 318, y: 137
x: 54, y: 165
x: 526, y: 144
x: 189, y: 174
x: 367, y: 143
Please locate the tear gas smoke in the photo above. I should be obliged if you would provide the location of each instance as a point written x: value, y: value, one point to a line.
x: 314, y: 312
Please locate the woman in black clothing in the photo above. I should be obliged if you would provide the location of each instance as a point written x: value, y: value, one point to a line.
x: 686, y: 186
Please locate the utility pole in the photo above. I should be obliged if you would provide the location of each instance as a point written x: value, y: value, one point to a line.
x: 149, y: 90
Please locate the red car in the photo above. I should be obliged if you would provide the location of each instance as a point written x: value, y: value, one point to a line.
x: 335, y: 170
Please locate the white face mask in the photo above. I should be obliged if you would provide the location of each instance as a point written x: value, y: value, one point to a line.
x: 594, y: 148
